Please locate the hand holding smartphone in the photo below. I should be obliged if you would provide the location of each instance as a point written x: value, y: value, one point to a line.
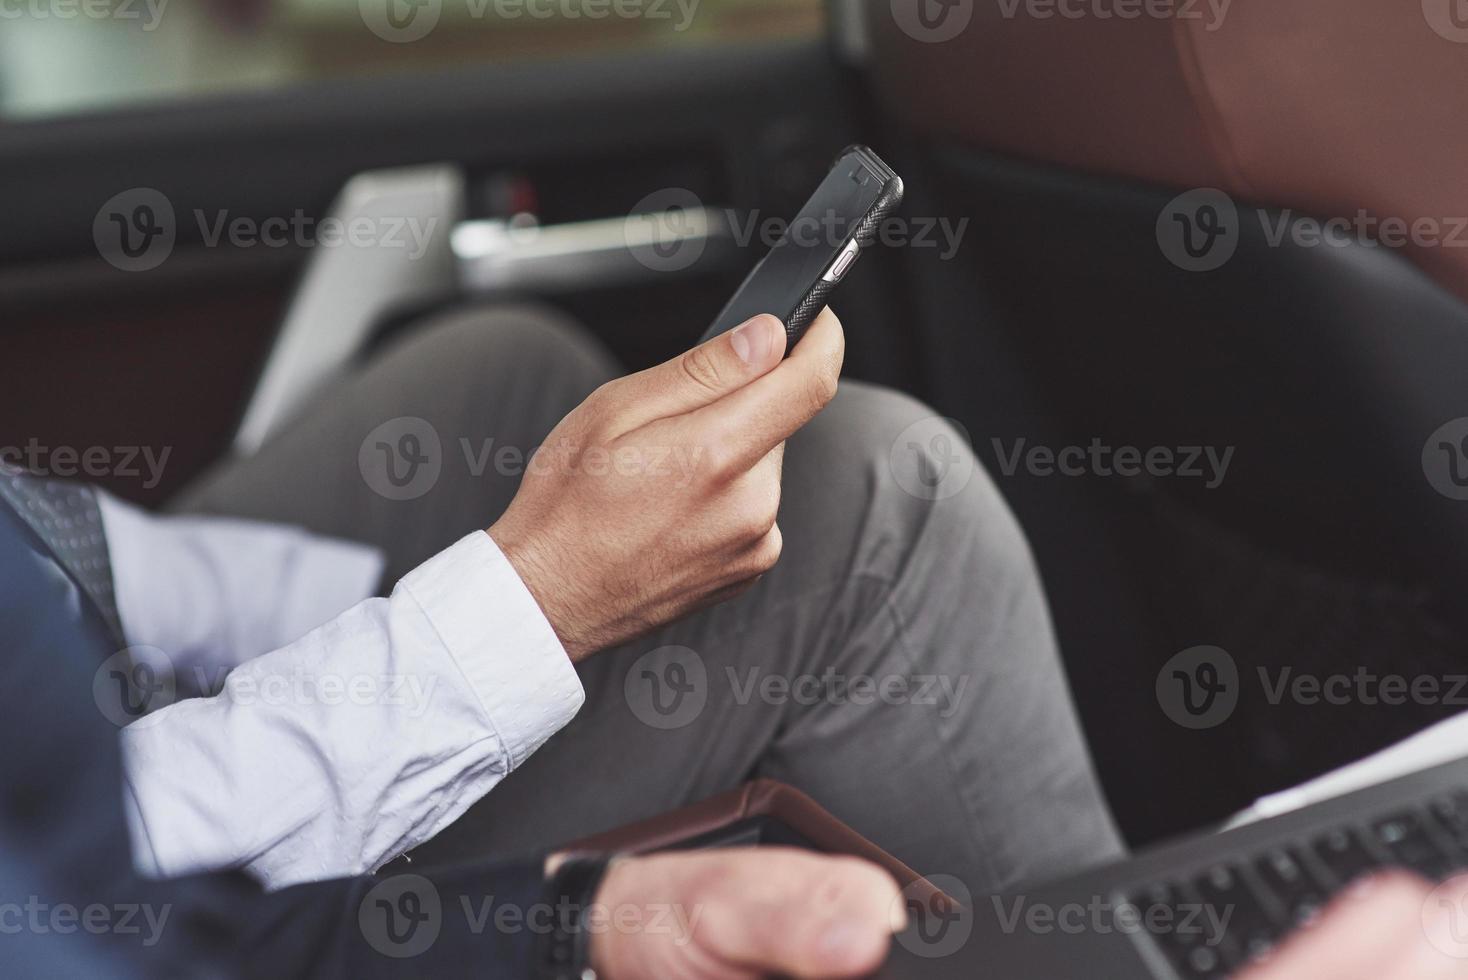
x: 797, y: 276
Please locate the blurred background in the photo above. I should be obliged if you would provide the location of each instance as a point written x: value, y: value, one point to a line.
x: 58, y: 58
x: 528, y: 139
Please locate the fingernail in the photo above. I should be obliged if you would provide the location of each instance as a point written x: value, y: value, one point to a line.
x: 751, y: 340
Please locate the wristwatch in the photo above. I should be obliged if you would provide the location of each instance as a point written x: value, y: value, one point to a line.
x: 563, y: 952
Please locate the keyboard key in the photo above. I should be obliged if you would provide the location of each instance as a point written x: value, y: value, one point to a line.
x: 1407, y: 839
x: 1250, y: 929
x: 1202, y: 963
x: 1190, y: 945
x: 1164, y: 903
x: 1220, y: 884
x: 1289, y: 887
x: 1289, y: 880
x: 1344, y: 855
x: 1452, y: 814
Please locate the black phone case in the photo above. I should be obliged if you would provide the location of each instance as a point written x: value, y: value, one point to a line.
x: 816, y: 296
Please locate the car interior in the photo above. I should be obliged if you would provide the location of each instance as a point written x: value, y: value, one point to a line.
x: 1054, y: 143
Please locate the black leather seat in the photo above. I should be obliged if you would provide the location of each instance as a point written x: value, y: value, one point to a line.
x: 1328, y: 369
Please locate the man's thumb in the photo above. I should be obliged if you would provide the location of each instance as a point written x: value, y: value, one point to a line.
x: 708, y: 372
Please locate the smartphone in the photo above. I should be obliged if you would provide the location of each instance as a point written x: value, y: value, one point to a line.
x: 817, y: 249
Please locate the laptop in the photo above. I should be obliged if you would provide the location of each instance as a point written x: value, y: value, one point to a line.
x: 1200, y: 907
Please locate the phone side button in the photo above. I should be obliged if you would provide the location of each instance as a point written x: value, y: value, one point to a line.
x: 843, y: 262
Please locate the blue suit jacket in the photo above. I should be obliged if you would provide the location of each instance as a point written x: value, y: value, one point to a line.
x: 70, y: 904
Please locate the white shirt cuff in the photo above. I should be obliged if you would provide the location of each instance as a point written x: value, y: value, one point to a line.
x: 512, y: 659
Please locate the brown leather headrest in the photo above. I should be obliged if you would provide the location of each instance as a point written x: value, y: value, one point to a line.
x: 1324, y: 106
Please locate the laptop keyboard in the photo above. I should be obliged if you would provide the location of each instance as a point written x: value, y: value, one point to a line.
x: 1265, y: 896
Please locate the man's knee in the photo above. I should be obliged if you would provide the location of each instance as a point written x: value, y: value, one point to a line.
x: 862, y: 423
x: 523, y: 340
x: 900, y: 471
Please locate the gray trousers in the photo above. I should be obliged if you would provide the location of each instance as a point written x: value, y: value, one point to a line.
x: 898, y: 664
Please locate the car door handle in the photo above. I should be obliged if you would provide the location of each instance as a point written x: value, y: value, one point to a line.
x: 496, y: 254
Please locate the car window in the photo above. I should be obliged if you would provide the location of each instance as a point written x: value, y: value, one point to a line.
x: 64, y: 56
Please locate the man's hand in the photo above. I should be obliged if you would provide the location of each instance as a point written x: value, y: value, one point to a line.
x: 658, y: 494
x: 1392, y: 927
x: 745, y: 913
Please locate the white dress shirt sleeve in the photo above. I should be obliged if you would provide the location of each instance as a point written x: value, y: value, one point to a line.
x: 332, y: 754
x: 214, y: 592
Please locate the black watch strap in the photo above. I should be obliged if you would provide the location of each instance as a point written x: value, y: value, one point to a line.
x: 563, y: 952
